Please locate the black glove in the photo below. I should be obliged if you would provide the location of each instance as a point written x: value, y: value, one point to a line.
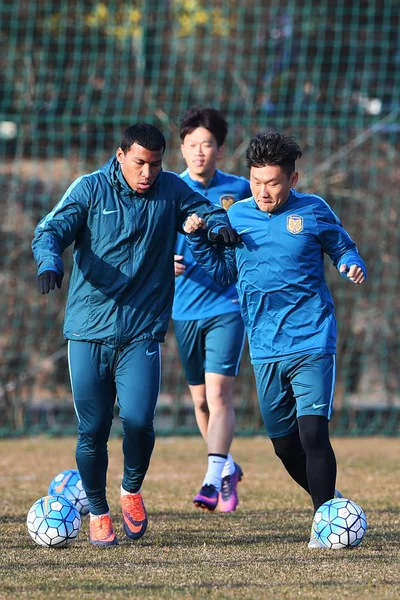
x: 47, y: 281
x: 226, y: 236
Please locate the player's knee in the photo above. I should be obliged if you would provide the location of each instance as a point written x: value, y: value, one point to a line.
x: 218, y: 398
x: 94, y: 428
x: 93, y: 439
x: 200, y: 404
x: 137, y: 424
x: 199, y: 398
x: 283, y: 447
x: 314, y: 433
x: 219, y: 389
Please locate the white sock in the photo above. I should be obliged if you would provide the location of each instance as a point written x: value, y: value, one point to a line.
x: 214, y: 471
x: 125, y: 493
x: 107, y: 514
x: 229, y: 466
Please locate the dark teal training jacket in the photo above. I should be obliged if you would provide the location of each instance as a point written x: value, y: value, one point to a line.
x: 122, y: 283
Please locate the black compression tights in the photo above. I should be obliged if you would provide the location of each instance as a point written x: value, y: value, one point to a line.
x: 309, y: 459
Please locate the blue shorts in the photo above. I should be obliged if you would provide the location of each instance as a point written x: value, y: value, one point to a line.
x: 212, y: 345
x: 294, y: 388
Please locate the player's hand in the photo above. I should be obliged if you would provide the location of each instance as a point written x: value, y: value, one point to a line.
x: 48, y: 280
x: 226, y: 235
x: 178, y: 265
x: 193, y: 223
x: 354, y: 273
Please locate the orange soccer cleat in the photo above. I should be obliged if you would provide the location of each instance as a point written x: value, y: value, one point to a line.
x: 102, y: 532
x: 134, y: 515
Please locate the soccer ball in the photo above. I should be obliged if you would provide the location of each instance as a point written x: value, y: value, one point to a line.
x: 68, y: 483
x: 53, y: 522
x: 340, y: 523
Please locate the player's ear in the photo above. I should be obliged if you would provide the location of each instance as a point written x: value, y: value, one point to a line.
x: 294, y: 179
x: 221, y: 151
x: 120, y: 155
x: 185, y: 156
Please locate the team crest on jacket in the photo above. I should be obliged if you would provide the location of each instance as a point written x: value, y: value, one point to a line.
x: 294, y: 224
x: 227, y: 200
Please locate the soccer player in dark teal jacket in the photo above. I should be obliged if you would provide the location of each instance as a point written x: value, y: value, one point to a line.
x: 123, y: 220
x: 287, y: 307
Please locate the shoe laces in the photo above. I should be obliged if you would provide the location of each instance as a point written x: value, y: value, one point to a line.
x: 227, y: 487
x: 133, y: 504
x: 101, y: 527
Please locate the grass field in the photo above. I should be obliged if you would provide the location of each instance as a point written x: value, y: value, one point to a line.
x: 260, y: 551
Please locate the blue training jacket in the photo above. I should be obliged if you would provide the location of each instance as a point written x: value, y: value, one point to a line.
x: 197, y: 296
x: 122, y: 282
x: 285, y: 301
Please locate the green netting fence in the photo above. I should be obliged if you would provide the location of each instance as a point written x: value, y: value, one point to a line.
x: 75, y: 74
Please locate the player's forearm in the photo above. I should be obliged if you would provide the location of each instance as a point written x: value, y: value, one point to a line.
x: 47, y: 253
x: 217, y: 261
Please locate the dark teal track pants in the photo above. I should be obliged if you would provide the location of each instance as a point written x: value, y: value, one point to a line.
x: 101, y: 375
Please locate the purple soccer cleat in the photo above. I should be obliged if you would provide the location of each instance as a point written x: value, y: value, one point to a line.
x: 228, y: 497
x: 207, y: 498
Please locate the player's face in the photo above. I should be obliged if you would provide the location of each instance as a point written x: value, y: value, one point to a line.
x: 201, y: 153
x: 270, y: 186
x: 140, y: 166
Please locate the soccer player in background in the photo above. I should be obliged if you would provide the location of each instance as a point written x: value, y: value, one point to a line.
x: 208, y: 326
x: 123, y: 219
x: 287, y: 307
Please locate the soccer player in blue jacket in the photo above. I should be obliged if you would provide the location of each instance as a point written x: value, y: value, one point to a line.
x: 123, y: 220
x: 287, y: 307
x: 207, y: 322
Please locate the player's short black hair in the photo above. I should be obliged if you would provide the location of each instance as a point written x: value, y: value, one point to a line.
x: 273, y: 148
x: 209, y: 118
x: 144, y: 134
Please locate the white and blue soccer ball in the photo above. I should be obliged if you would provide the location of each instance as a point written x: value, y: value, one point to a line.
x: 53, y: 522
x: 340, y: 523
x: 68, y: 483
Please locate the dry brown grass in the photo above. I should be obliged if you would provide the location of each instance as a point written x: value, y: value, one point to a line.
x: 260, y: 551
